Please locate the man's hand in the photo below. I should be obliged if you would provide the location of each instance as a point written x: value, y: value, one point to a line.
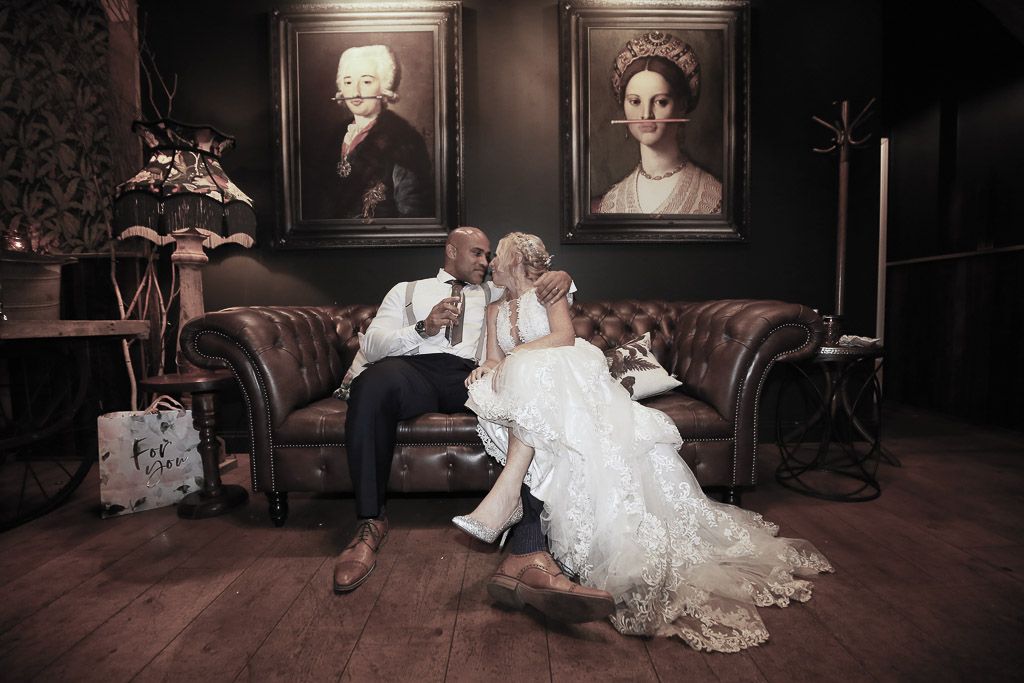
x: 444, y: 313
x: 477, y: 373
x: 552, y: 286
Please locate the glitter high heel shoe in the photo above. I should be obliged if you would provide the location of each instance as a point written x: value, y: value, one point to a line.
x: 485, y: 533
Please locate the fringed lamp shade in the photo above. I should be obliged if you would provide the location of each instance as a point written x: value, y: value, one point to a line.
x: 182, y: 187
x: 182, y: 195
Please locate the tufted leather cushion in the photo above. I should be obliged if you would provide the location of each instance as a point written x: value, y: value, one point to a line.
x: 438, y: 428
x: 323, y: 422
x: 610, y: 324
x: 320, y: 422
x: 297, y: 351
x: 695, y: 419
x: 350, y: 320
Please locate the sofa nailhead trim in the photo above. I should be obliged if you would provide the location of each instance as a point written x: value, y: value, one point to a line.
x: 757, y: 396
x: 757, y: 400
x: 248, y: 405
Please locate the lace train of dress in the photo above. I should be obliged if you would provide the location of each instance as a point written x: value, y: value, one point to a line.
x: 621, y: 508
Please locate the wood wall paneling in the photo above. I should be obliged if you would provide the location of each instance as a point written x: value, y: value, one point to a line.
x: 953, y: 325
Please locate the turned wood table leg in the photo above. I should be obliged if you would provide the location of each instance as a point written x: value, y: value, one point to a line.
x: 215, y: 498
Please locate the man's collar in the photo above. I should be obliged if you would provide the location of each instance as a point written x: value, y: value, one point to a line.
x: 445, y: 277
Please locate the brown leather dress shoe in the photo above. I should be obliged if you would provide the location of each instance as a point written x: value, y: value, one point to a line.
x: 536, y: 580
x: 360, y: 557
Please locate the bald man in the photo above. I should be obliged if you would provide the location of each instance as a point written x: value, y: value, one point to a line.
x: 420, y: 352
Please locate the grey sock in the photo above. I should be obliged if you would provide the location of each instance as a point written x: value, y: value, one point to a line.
x: 527, y: 536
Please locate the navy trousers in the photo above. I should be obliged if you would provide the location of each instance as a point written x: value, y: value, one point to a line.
x: 390, y: 390
x: 401, y: 388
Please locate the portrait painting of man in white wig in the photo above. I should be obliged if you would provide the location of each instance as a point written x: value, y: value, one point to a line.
x: 372, y: 163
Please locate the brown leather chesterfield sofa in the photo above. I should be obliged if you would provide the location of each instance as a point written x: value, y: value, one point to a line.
x: 289, y: 360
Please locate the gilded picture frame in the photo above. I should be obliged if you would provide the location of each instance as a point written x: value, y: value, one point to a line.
x: 624, y: 66
x: 367, y: 114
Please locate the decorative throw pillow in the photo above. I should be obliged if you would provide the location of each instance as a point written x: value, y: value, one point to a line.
x: 358, y: 365
x: 636, y: 368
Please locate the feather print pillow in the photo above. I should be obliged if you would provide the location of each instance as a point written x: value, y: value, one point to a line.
x: 638, y: 371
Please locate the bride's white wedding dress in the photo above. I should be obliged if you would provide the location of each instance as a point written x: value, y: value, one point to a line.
x: 621, y: 508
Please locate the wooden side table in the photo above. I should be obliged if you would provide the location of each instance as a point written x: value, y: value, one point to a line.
x: 215, y: 498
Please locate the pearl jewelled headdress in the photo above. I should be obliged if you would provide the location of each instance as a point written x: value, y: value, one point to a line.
x: 659, y: 44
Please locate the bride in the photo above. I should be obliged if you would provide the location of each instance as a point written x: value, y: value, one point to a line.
x: 621, y: 508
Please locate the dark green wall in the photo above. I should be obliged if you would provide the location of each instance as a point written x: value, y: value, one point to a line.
x: 805, y: 54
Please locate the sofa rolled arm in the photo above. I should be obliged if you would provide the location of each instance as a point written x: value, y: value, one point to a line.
x: 725, y: 350
x: 284, y: 357
x: 293, y: 354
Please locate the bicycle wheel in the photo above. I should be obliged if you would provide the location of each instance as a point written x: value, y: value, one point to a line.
x: 43, y: 457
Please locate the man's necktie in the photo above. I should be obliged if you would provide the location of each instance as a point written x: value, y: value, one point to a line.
x: 453, y: 333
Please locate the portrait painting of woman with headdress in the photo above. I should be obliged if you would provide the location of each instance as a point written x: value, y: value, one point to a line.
x: 656, y: 80
x: 656, y: 147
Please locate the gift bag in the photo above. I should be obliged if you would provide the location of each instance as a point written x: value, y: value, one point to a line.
x: 148, y: 459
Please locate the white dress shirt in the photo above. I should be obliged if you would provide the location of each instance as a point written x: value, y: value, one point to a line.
x: 390, y: 334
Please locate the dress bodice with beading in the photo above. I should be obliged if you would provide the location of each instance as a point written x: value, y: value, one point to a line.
x: 531, y: 321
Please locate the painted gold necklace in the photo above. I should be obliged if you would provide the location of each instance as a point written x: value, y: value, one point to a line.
x: 671, y: 173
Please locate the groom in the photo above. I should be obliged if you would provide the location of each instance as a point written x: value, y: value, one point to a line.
x: 425, y: 339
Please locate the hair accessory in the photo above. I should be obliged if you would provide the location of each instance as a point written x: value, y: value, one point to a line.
x: 658, y: 44
x: 532, y: 249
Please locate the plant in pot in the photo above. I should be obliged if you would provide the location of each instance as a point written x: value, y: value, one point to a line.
x: 29, y: 275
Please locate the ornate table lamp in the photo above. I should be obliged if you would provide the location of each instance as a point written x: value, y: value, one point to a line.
x: 183, y: 195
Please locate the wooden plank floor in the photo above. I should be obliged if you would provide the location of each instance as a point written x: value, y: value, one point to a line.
x: 929, y: 586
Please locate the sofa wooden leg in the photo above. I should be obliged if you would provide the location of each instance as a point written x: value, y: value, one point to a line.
x: 733, y: 495
x: 278, y: 501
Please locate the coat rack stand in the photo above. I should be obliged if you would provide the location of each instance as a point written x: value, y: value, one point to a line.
x: 843, y: 139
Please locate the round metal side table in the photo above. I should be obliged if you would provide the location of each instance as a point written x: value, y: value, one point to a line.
x: 834, y: 451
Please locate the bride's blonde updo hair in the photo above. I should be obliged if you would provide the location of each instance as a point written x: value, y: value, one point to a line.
x: 531, y: 250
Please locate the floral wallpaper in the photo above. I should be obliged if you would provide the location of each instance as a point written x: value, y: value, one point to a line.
x: 56, y: 109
